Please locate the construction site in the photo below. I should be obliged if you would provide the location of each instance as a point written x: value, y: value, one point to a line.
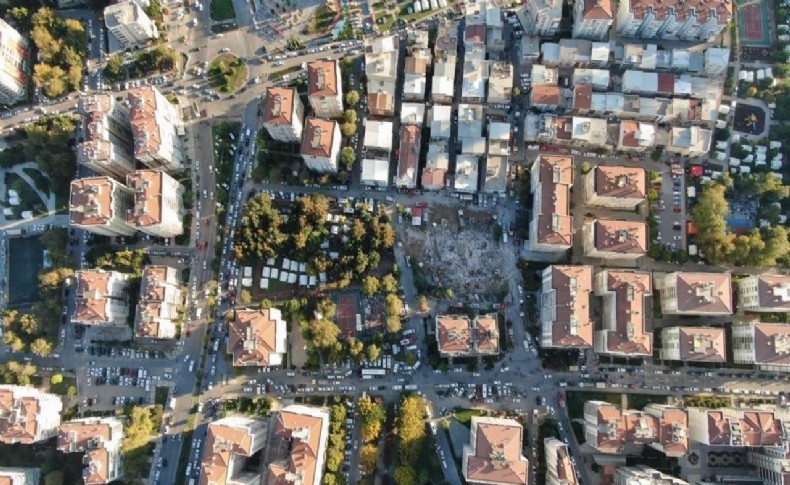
x: 457, y: 250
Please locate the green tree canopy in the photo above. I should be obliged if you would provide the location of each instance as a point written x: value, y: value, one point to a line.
x: 259, y: 235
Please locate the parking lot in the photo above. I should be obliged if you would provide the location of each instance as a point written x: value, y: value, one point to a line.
x: 670, y: 210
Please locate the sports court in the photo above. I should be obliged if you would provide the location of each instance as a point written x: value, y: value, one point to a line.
x: 753, y: 23
x: 347, y: 311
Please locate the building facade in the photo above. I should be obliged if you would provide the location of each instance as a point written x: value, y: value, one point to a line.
x: 626, y: 313
x: 14, y: 52
x: 102, y: 298
x: 695, y: 20
x: 231, y: 443
x: 158, y: 206
x: 611, y: 239
x: 493, y: 455
x: 564, y: 304
x: 128, y: 22
x: 320, y: 148
x: 161, y: 298
x: 325, y: 89
x: 304, y: 431
x: 283, y: 115
x: 100, y: 440
x: 592, y: 19
x: 764, y: 293
x: 257, y: 338
x: 695, y: 293
x: 694, y: 344
x: 100, y: 205
x: 766, y: 345
x: 155, y: 128
x: 551, y: 227
x: 615, y: 187
x: 107, y: 145
x: 28, y: 415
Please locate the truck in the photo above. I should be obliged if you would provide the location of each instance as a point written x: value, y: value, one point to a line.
x: 171, y: 404
x: 410, y: 387
x: 373, y: 372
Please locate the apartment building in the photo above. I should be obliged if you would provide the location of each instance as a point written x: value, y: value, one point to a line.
x: 161, y: 297
x: 14, y: 51
x: 230, y: 449
x: 155, y: 128
x: 546, y: 98
x: 636, y: 136
x: 565, y: 317
x: 128, y: 22
x: 615, y: 240
x: 100, y: 205
x: 694, y: 344
x: 20, y: 476
x: 496, y: 167
x: 377, y: 149
x: 107, y: 146
x: 412, y: 113
x: 592, y: 19
x: 381, y: 65
x: 576, y: 53
x: 766, y: 345
x: 690, y: 141
x: 283, y: 114
x: 325, y: 88
x: 473, y: 88
x: 672, y: 438
x: 541, y: 17
x: 467, y: 168
x: 158, y: 206
x: 559, y: 467
x: 551, y: 227
x: 500, y: 82
x: 321, y: 145
x: 303, y: 430
x: 437, y: 162
x: 100, y: 441
x: 28, y: 415
x: 102, y: 298
x: 771, y: 464
x: 764, y: 293
x: 460, y: 336
x: 693, y: 20
x: 609, y: 430
x: 415, y: 74
x: 644, y: 475
x: 695, y: 293
x: 741, y: 427
x: 615, y: 187
x: 443, y: 81
x: 495, y: 40
x: 257, y: 338
x: 409, y: 156
x: 439, y: 120
x: 493, y: 455
x: 626, y: 313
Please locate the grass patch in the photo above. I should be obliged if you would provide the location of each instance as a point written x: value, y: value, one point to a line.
x: 575, y: 401
x: 639, y: 401
x: 464, y: 416
x: 222, y: 10
x: 28, y: 197
x: 713, y: 402
x: 62, y: 388
x: 279, y: 74
x: 160, y: 395
x: 227, y: 73
x: 39, y: 179
x: 322, y: 20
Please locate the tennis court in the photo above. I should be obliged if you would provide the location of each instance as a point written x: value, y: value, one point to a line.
x: 25, y: 260
x: 753, y: 24
x: 347, y: 311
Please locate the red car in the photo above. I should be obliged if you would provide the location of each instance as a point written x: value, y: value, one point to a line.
x: 676, y: 209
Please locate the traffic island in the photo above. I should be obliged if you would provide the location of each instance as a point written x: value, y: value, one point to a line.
x: 227, y: 73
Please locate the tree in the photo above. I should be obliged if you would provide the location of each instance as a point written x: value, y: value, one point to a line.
x: 324, y: 333
x: 709, y: 216
x: 423, y: 303
x: 370, y: 285
x: 393, y: 324
x: 348, y: 129
x: 368, y: 455
x: 28, y: 324
x: 329, y: 478
x: 71, y: 391
x: 355, y: 348
x: 586, y: 167
x: 347, y: 157
x: 516, y: 92
x: 51, y: 79
x: 21, y: 17
x: 41, y: 347
x: 373, y: 416
x: 393, y: 305
x: 352, y: 97
x: 138, y: 429
x: 114, y: 67
x: 245, y: 298
x: 54, y: 478
x: 497, y: 232
x: 411, y: 428
x: 405, y: 475
x: 751, y: 91
x: 389, y: 284
x: 259, y: 235
x: 294, y: 43
x: 326, y: 308
x: 56, y: 379
x: 13, y: 341
x: 48, y: 144
x: 350, y: 116
x: 334, y: 458
x: 373, y: 352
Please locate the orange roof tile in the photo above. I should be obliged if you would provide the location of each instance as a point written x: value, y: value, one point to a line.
x: 318, y: 137
x: 279, y: 106
x: 497, y: 453
x: 322, y: 78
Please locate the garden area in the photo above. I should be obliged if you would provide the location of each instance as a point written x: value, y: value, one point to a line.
x: 322, y: 21
x: 222, y: 10
x: 227, y: 73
